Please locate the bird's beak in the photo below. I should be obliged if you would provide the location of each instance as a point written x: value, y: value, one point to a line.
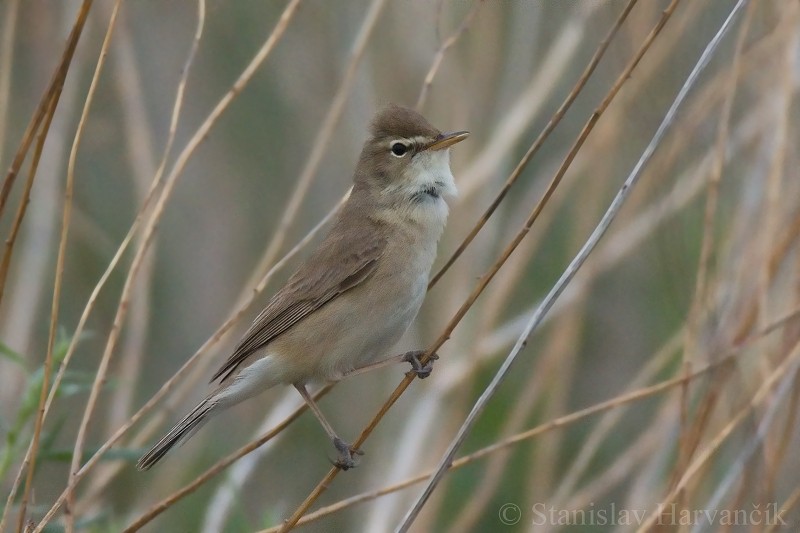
x: 446, y: 140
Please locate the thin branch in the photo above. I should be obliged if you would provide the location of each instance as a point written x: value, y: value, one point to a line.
x: 785, y: 370
x: 443, y: 47
x: 726, y: 358
x: 538, y: 142
x: 52, y: 94
x: 62, y: 245
x: 573, y: 267
x: 735, y: 468
x: 158, y: 174
x: 690, y: 436
x: 221, y: 465
x: 48, y: 361
x: 158, y: 210
x: 6, y: 60
x: 556, y: 423
x: 322, y: 140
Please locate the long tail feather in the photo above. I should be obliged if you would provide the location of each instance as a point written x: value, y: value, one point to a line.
x: 182, y: 431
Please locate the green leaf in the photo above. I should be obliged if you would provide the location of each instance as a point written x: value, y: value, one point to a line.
x: 114, y: 454
x: 12, y: 356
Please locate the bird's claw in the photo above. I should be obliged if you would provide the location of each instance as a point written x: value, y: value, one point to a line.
x: 421, y: 371
x: 345, y: 460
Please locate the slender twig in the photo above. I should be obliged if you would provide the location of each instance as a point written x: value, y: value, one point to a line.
x: 690, y: 436
x: 158, y: 174
x: 786, y: 371
x: 735, y: 468
x: 626, y: 240
x: 46, y: 106
x: 537, y: 143
x: 320, y: 146
x: 6, y: 60
x: 438, y: 57
x: 158, y: 210
x: 540, y: 393
x: 22, y: 209
x: 217, y: 337
x: 62, y: 245
x: 502, y: 140
x: 48, y: 360
x: 724, y: 359
x: 570, y: 271
x: 556, y: 423
x: 51, y: 94
x: 323, y: 137
x: 221, y: 465
x: 304, y: 182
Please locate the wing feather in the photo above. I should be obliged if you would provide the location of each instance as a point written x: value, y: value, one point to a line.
x: 315, y: 284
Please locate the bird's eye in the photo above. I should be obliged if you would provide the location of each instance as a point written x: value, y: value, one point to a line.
x: 399, y: 149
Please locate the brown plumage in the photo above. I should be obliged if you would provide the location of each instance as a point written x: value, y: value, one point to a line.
x: 358, y: 292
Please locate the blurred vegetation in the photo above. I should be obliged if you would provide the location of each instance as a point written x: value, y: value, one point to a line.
x: 700, y: 268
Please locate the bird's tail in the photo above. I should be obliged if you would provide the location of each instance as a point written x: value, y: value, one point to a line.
x: 181, y: 432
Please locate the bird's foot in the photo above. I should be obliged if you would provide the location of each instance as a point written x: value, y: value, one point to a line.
x: 422, y: 371
x: 345, y: 460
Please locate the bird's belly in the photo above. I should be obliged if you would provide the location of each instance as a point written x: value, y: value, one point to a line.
x: 358, y: 327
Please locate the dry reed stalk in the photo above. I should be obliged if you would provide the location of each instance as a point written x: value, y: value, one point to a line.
x: 786, y: 368
x: 50, y: 98
x: 101, y: 283
x: 142, y: 158
x: 29, y: 465
x: 461, y: 371
x: 485, y: 332
x: 550, y: 378
x: 690, y: 434
x: 218, y: 467
x: 569, y: 273
x: 693, y: 115
x: 725, y: 358
x: 557, y: 355
x: 323, y: 137
x: 6, y: 59
x: 62, y: 248
x: 537, y: 143
x: 152, y: 222
x: 334, y: 112
x: 438, y: 56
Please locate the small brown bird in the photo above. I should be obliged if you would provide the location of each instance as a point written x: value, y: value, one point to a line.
x: 358, y: 292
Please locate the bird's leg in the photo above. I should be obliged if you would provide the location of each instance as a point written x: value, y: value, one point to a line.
x: 345, y: 460
x: 422, y: 371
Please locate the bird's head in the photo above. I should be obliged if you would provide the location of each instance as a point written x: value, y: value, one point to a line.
x: 405, y: 163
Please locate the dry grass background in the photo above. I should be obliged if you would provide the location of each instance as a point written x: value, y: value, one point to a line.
x: 196, y: 150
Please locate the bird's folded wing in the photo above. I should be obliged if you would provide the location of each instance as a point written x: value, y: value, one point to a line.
x: 327, y: 274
